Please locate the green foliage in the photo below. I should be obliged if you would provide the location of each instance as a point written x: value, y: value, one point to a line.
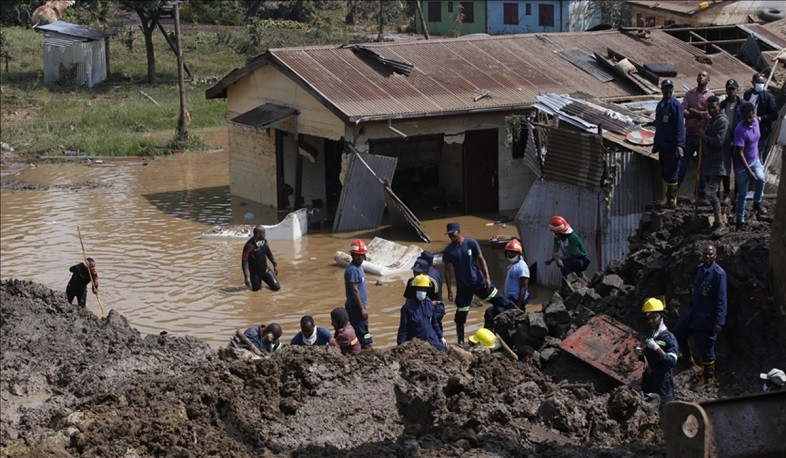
x: 457, y: 19
x: 218, y: 13
x: 299, y: 10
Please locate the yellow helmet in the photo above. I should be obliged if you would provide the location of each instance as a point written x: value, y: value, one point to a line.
x: 485, y: 337
x: 653, y: 304
x: 421, y: 281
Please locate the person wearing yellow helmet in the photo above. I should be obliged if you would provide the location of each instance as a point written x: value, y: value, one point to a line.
x: 419, y: 318
x: 434, y: 292
x: 659, y: 353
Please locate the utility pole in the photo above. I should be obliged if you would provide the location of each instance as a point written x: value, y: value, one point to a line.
x: 422, y: 19
x: 381, y: 35
x: 181, y: 134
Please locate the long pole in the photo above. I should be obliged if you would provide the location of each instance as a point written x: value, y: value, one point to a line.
x: 698, y: 173
x: 182, y: 131
x: 89, y: 273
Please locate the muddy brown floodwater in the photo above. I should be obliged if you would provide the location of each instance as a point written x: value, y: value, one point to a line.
x: 142, y: 224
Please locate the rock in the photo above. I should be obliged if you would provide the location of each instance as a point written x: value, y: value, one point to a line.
x: 551, y: 342
x: 548, y: 354
x: 460, y: 355
x: 507, y: 323
x: 537, y: 325
x: 609, y: 285
x: 556, y: 313
x: 561, y: 414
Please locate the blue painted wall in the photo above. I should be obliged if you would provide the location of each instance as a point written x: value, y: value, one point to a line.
x: 531, y: 23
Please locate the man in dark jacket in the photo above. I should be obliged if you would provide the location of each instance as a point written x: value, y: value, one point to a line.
x: 256, y: 252
x: 717, y: 155
x: 265, y: 338
x: 707, y: 314
x: 80, y: 278
x: 730, y: 106
x: 765, y: 108
x: 669, y: 139
x: 659, y: 353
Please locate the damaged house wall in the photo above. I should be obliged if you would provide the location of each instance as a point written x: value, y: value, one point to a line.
x: 313, y: 173
x: 252, y: 163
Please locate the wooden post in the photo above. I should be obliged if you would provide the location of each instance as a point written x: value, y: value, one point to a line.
x: 182, y: 131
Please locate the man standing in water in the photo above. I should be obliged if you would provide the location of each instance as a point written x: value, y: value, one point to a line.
x: 82, y: 274
x: 256, y: 252
x: 356, y: 294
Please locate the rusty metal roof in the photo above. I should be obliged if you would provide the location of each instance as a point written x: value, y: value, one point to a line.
x: 574, y: 158
x: 474, y: 75
x: 680, y: 7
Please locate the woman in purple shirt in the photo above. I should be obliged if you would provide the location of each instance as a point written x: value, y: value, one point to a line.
x: 747, y: 165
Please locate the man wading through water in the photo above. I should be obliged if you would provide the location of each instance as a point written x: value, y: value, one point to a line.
x: 256, y: 252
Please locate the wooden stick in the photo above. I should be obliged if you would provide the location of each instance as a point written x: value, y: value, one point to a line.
x: 508, y: 352
x: 698, y: 173
x: 89, y: 273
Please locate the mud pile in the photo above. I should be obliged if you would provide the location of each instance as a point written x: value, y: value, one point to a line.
x: 75, y: 384
x: 662, y: 262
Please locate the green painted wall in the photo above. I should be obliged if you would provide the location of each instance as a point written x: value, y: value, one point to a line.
x: 446, y: 25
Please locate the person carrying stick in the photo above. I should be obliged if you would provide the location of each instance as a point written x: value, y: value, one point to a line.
x: 82, y: 274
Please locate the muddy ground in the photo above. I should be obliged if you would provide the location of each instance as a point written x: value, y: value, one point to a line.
x: 74, y: 384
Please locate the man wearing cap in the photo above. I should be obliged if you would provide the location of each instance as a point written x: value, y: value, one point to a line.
x: 717, y: 156
x: 432, y: 272
x: 669, y: 139
x: 765, y: 108
x: 773, y: 380
x: 730, y: 106
x: 696, y: 116
x: 463, y: 258
x: 423, y: 265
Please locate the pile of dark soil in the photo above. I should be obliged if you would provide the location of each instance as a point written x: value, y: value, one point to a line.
x: 76, y: 384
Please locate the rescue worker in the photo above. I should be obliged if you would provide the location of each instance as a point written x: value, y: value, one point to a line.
x: 493, y: 342
x: 765, y: 108
x: 659, y: 353
x: 747, y: 163
x: 344, y: 337
x: 669, y: 141
x: 265, y: 338
x: 81, y: 275
x: 707, y: 315
x: 432, y: 272
x: 419, y: 318
x: 433, y: 292
x: 517, y: 279
x: 311, y: 335
x: 716, y: 156
x: 463, y: 258
x: 573, y: 257
x: 256, y: 252
x: 356, y: 295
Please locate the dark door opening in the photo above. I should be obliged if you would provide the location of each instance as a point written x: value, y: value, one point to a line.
x: 333, y: 150
x: 481, y: 187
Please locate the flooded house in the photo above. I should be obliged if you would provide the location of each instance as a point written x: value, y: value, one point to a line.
x: 432, y: 117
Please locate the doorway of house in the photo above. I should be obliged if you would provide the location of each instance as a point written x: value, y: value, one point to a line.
x: 481, y: 187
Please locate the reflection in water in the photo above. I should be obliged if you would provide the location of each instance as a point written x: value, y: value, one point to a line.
x: 144, y: 233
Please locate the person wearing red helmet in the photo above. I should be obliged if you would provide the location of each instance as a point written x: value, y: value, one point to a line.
x: 356, y: 294
x: 569, y: 252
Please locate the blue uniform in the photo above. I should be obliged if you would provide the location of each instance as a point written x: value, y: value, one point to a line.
x: 354, y: 274
x: 657, y: 377
x: 254, y: 334
x: 419, y: 321
x: 669, y: 134
x: 434, y: 273
x: 323, y: 337
x: 708, y: 308
x: 469, y: 278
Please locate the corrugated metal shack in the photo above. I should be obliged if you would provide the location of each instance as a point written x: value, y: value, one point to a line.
x: 75, y: 54
x: 600, y: 190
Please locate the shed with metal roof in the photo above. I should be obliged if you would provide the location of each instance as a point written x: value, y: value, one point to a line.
x: 75, y: 54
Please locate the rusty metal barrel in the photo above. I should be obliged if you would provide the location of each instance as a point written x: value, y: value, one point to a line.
x: 745, y: 426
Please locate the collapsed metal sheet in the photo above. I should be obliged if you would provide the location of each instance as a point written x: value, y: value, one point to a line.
x: 401, y: 217
x: 362, y: 201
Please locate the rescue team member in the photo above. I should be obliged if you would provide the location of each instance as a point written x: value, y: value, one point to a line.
x: 716, y: 159
x: 265, y: 338
x: 311, y: 335
x: 256, y: 252
x: 433, y: 292
x: 669, y: 141
x: 463, y: 258
x: 81, y: 275
x: 344, y: 337
x: 517, y: 279
x: 659, y: 354
x: 696, y: 116
x: 574, y: 257
x: 356, y: 294
x: 419, y: 318
x: 747, y: 163
x: 432, y: 272
x: 493, y: 342
x: 707, y: 314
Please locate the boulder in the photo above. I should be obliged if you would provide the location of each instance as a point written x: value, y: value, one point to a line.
x: 610, y: 284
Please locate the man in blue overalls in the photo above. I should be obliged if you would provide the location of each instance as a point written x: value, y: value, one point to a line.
x: 707, y: 314
x: 463, y: 256
x: 659, y: 354
x: 669, y: 139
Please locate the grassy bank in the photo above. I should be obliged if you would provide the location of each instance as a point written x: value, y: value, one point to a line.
x: 114, y: 117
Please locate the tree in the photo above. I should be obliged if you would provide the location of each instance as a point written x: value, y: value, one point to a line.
x: 148, y: 11
x: 610, y: 12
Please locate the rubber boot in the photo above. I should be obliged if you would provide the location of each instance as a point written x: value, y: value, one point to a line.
x: 460, y: 334
x: 671, y: 195
x: 759, y: 209
x: 707, y: 374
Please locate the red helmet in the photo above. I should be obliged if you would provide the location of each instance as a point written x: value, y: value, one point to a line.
x: 514, y: 245
x: 558, y: 225
x: 358, y: 247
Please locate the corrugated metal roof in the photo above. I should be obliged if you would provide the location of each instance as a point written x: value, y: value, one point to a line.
x: 362, y: 201
x: 264, y: 115
x: 587, y: 63
x: 772, y: 37
x: 449, y: 75
x: 574, y: 158
x: 74, y: 30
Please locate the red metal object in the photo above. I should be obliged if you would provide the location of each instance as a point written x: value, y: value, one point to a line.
x: 607, y: 345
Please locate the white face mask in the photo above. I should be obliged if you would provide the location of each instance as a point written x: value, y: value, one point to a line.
x: 758, y: 87
x: 514, y: 259
x: 310, y: 340
x: 420, y: 295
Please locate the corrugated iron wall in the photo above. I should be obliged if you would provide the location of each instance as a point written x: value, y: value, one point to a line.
x: 362, y: 201
x: 88, y: 56
x: 574, y: 158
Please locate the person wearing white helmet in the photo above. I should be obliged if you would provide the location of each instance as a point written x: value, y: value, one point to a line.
x: 356, y: 293
x: 659, y: 353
